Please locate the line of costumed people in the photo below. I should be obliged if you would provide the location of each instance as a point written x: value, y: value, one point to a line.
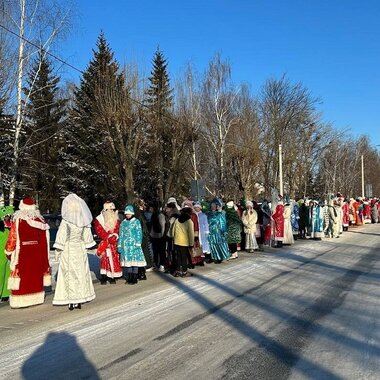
x: 171, y: 239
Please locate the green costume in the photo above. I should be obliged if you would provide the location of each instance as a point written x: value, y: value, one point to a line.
x: 4, y: 263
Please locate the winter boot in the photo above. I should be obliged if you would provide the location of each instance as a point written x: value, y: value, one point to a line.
x: 112, y: 281
x: 129, y: 278
x: 133, y: 279
x: 103, y: 279
x: 142, y: 275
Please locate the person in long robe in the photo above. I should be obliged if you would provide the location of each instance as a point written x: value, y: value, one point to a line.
x: 352, y: 212
x: 27, y: 248
x: 267, y: 218
x: 374, y: 212
x: 5, y: 226
x: 359, y: 211
x: 366, y: 212
x: 303, y: 218
x: 192, y: 258
x: 74, y: 237
x: 345, y: 215
x: 203, y: 230
x: 315, y: 220
x: 288, y: 231
x: 129, y: 245
x: 278, y: 218
x: 107, y: 226
x: 294, y: 219
x: 217, y: 237
x: 140, y: 208
x: 249, y: 220
x: 233, y: 229
x: 339, y: 202
x: 333, y: 227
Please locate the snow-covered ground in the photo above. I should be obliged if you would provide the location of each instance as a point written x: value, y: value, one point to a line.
x: 309, y: 311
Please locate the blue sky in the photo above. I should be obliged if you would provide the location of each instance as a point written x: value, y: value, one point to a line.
x: 331, y: 46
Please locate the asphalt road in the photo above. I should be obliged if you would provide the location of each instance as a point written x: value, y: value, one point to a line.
x: 309, y: 311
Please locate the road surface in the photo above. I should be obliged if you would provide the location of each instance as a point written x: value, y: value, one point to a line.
x: 309, y: 311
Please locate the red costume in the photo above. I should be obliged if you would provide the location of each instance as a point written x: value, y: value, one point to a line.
x: 198, y: 259
x: 366, y: 213
x: 278, y: 217
x: 27, y: 249
x: 358, y: 220
x: 345, y: 215
x: 109, y: 257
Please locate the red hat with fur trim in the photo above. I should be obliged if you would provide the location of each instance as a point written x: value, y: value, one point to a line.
x: 27, y: 204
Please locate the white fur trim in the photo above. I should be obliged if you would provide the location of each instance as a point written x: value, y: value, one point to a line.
x: 47, y: 280
x: 58, y: 246
x: 27, y: 214
x: 128, y: 264
x: 110, y: 274
x: 26, y: 300
x: 68, y: 301
x: 38, y: 224
x: 13, y: 283
x: 23, y: 206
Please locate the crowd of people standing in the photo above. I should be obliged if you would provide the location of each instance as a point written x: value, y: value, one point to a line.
x: 170, y: 239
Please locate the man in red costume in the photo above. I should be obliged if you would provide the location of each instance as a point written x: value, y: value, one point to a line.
x: 27, y: 249
x: 107, y: 226
x: 346, y: 214
x: 278, y: 218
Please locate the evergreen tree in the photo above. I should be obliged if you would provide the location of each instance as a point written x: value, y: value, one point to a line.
x: 104, y: 134
x: 82, y: 171
x: 44, y: 117
x: 159, y: 101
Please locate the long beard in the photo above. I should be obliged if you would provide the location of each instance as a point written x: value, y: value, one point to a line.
x: 110, y: 219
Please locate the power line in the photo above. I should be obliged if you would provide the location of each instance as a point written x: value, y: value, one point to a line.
x: 42, y: 49
x: 81, y: 71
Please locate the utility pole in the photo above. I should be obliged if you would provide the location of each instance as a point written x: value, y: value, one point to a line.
x: 280, y: 169
x: 363, y: 176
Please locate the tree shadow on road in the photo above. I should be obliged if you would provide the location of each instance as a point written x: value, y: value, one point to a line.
x: 279, y: 357
x: 284, y: 351
x: 363, y: 233
x: 313, y: 261
x: 60, y: 357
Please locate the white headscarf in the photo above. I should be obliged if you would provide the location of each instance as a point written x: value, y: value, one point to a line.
x: 76, y: 211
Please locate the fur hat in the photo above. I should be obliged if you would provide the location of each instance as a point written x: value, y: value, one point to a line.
x: 109, y: 206
x: 217, y: 202
x: 27, y: 204
x: 129, y: 210
x: 197, y: 205
x: 171, y: 200
x: 230, y: 204
x: 187, y: 204
x: 249, y: 204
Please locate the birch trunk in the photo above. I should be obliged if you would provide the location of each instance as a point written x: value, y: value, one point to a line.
x: 20, y: 70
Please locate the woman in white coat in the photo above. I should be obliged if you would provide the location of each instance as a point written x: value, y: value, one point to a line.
x: 249, y: 220
x: 74, y: 237
x: 288, y: 230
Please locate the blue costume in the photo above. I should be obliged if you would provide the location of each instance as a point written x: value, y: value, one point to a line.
x: 217, y: 237
x: 294, y: 217
x: 129, y: 244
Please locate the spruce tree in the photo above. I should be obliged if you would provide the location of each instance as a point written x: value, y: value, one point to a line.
x: 44, y: 117
x: 159, y: 101
x: 84, y: 169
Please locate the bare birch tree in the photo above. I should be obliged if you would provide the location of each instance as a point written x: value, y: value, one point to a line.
x: 38, y: 23
x: 219, y: 99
